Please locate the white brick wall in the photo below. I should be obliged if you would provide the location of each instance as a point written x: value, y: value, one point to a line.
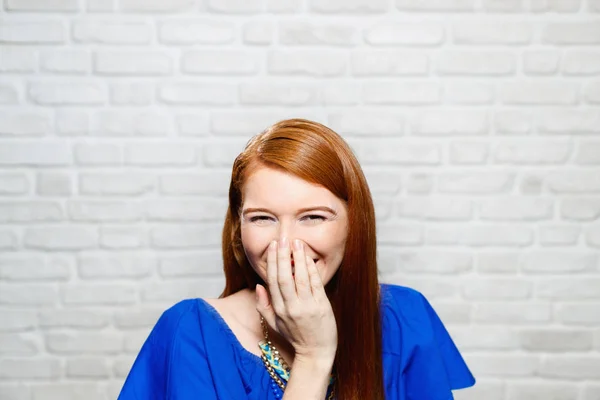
x: 477, y: 123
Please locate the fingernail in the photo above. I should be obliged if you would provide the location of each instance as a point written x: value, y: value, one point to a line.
x: 283, y: 243
x: 297, y: 244
x: 273, y: 245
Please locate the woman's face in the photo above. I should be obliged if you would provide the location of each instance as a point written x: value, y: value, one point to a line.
x: 278, y: 204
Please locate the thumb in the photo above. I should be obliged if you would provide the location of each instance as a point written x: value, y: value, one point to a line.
x: 264, y: 307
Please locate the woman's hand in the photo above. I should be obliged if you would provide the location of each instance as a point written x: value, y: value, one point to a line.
x: 298, y: 309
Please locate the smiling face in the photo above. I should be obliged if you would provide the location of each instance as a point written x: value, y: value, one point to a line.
x: 278, y: 204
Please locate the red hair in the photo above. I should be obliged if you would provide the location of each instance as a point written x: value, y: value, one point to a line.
x: 316, y: 154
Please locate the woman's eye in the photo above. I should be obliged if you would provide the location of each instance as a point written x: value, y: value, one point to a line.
x: 315, y: 218
x: 259, y: 218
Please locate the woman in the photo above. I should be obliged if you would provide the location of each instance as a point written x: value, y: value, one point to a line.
x: 302, y: 315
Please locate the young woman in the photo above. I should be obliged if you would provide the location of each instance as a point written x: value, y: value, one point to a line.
x: 302, y: 315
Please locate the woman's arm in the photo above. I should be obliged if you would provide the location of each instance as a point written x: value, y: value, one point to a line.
x: 308, y: 379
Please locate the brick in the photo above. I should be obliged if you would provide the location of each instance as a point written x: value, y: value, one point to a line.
x: 9, y: 93
x: 345, y: 6
x: 128, y: 123
x: 475, y: 183
x: 68, y: 391
x: 571, y: 33
x: 574, y: 182
x: 104, y: 211
x: 16, y: 391
x: 99, y: 294
x: 367, y: 123
x: 156, y: 154
x: 588, y: 153
x: 65, y: 62
x: 560, y: 6
x: 8, y: 240
x: 533, y: 93
x: 213, y: 182
x: 557, y: 235
x: 49, y: 5
x: 303, y: 33
x: 580, y: 209
x: 285, y: 6
x: 484, y: 389
x: 555, y: 262
x: 565, y: 121
x: 397, y: 152
x: 60, y: 238
x: 578, y: 314
x: 497, y: 263
x: 38, y: 368
x: 220, y: 62
x: 592, y: 92
x: 338, y: 93
x: 88, y: 368
x: 433, y: 289
x: 482, y: 236
x: 128, y: 266
x: 17, y: 320
x: 434, y: 209
x: 181, y: 237
x: 84, y: 343
x: 99, y: 6
x: 108, y: 184
x: 33, y: 268
x: 259, y: 33
x: 483, y: 338
x: 193, y: 124
x: 568, y: 288
x: 516, y: 209
x: 72, y: 123
x: 591, y: 391
x: 469, y: 93
x: 96, y: 154
x: 435, y: 262
x: 169, y: 292
x: 17, y: 345
x: 503, y: 6
x: 581, y: 63
x: 123, y: 237
x: 382, y: 93
x: 235, y: 6
x: 28, y: 295
x: 512, y: 313
x: 211, y: 209
x: 157, y: 6
x: 540, y: 62
x: 405, y: 34
x: 436, y: 5
x: 449, y: 122
x: 195, y: 264
x: 54, y: 184
x: 30, y: 211
x: 92, y: 31
x: 193, y: 32
x: 388, y: 63
x: 290, y: 94
x: 505, y: 365
x: 478, y: 63
x: 592, y: 236
x: 497, y: 288
x: 542, y: 389
x: 218, y: 94
x: 512, y: 122
x: 307, y: 63
x: 33, y: 32
x: 67, y: 94
x: 24, y: 123
x: 137, y: 318
x: 243, y: 123
x: 468, y: 153
x: 17, y: 59
x: 73, y: 318
x: 533, y: 152
x: 121, y: 368
x: 133, y: 63
x: 570, y: 367
x: 491, y: 33
x: 132, y: 94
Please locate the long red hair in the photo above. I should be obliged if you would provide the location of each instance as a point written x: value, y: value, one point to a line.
x: 316, y: 154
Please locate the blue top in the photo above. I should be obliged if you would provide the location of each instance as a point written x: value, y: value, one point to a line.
x: 191, y: 353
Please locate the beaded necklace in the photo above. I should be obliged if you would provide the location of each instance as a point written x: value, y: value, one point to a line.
x: 277, y: 368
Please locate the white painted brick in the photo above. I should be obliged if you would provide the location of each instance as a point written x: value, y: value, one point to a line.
x: 192, y: 32
x: 111, y: 32
x: 104, y: 211
x: 130, y: 123
x: 63, y: 238
x: 580, y: 209
x: 503, y: 6
x: 485, y: 338
x: 29, y: 368
x: 84, y: 343
x: 483, y: 63
x: 54, y: 184
x: 578, y: 313
x: 366, y: 123
x: 73, y: 318
x: 382, y: 93
x: 34, y: 268
x: 571, y: 33
x: 307, y: 62
x: 469, y: 93
x: 404, y: 34
x: 591, y: 390
x: 531, y: 184
x: 594, y: 5
x: 32, y: 32
x: 258, y: 33
x: 107, y: 266
x: 9, y: 94
x: 17, y: 320
x: 571, y: 367
x: 399, y: 235
x: 588, y: 153
x: 133, y: 94
x: 497, y: 288
x: 236, y: 6
x: 72, y: 123
x: 28, y: 295
x: 516, y: 209
x: 246, y: 123
x: 484, y: 389
x: 505, y: 365
x: 48, y: 5
x: 99, y: 294
x: 432, y: 289
x: 342, y: 93
x: 592, y: 92
x: 559, y: 235
x: 388, y: 63
x: 24, y: 123
x: 30, y: 211
x: 62, y: 94
x: 435, y: 262
x: 581, y: 63
x: 117, y: 237
x: 468, y: 153
x: 497, y: 263
x: 65, y: 62
x: 569, y: 121
x: 200, y: 210
x: 532, y: 152
x: 574, y: 182
x: 449, y: 122
x: 193, y: 124
x: 133, y: 341
x: 542, y: 390
x: 88, y: 368
x: 512, y: 313
x: 100, y: 6
x: 17, y: 391
x: 17, y: 59
x: 593, y: 236
x: 554, y: 262
x: 196, y: 264
x: 210, y: 182
x: 435, y: 209
x: 543, y: 93
x: 568, y: 288
x: 157, y: 6
x: 121, y: 368
x: 169, y: 292
x: 108, y: 184
x: 513, y: 122
x: 396, y: 152
x: 156, y: 154
x: 8, y: 240
x: 436, y: 5
x: 218, y: 94
x: 66, y: 391
x: 290, y: 94
x: 220, y: 62
x: 181, y: 236
x: 304, y: 33
x: 18, y: 345
x: 476, y: 183
x: 453, y: 313
x: 285, y: 6
x: 351, y: 6
x: 137, y: 318
x: 95, y: 154
x: 133, y: 63
x: 555, y: 5
x: 540, y: 62
x: 482, y: 236
x: 490, y: 33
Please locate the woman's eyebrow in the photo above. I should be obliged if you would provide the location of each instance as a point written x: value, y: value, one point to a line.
x: 300, y: 211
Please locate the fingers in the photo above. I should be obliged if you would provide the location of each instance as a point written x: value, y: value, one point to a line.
x: 272, y: 281
x: 284, y: 271
x: 316, y: 284
x: 301, y: 273
x: 264, y: 307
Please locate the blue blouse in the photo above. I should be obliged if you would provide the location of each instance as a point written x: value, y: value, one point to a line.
x: 192, y: 353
